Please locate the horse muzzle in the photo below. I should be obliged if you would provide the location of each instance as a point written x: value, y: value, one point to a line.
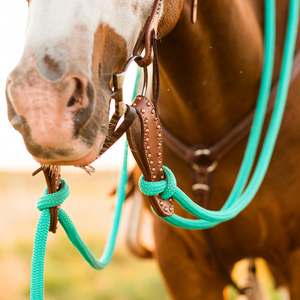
x: 55, y: 118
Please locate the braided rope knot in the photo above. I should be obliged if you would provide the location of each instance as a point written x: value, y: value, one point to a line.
x: 55, y: 199
x: 164, y: 187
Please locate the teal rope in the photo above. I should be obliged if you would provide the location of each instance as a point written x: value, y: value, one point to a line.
x: 76, y: 240
x: 40, y: 239
x: 41, y: 234
x: 261, y: 107
x: 237, y: 200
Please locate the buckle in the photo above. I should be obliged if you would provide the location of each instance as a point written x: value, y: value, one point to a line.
x: 205, y: 161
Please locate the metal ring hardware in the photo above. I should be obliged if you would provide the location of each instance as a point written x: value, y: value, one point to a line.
x: 210, y: 169
x: 200, y: 186
x: 200, y: 152
x: 205, y: 152
x: 119, y: 77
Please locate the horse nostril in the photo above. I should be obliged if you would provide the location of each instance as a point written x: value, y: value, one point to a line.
x: 78, y: 95
x: 82, y: 104
x: 72, y: 101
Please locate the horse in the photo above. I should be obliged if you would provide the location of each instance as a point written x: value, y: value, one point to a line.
x: 58, y: 99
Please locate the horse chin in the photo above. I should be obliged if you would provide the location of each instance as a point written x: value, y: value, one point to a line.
x: 86, y: 159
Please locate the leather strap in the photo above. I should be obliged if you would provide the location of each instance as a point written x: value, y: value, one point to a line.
x: 202, y: 182
x: 145, y: 38
x: 194, y: 11
x: 156, y: 78
x: 52, y: 176
x: 114, y: 134
x: 146, y: 144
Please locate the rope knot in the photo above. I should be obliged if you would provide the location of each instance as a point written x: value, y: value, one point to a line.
x: 171, y: 184
x: 55, y: 199
x: 164, y: 187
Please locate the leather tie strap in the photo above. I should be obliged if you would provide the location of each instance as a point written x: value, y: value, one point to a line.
x: 146, y: 143
x: 53, y: 180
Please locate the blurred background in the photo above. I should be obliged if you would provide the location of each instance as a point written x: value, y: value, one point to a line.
x: 67, y: 275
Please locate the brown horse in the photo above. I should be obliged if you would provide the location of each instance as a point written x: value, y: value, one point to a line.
x: 58, y: 99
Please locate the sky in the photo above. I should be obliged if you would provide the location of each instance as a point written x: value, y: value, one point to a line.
x: 13, y: 154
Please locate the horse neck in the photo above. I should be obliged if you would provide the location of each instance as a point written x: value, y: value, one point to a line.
x: 210, y: 71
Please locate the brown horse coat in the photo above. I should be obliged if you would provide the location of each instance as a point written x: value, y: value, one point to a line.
x: 210, y: 75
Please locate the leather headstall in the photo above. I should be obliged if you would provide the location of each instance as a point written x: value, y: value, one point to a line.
x: 144, y: 134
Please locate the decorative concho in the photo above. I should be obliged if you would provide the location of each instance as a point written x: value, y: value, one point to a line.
x: 152, y: 138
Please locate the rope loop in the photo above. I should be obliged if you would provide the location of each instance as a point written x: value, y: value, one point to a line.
x: 171, y: 184
x: 55, y: 199
x: 164, y: 187
x: 151, y: 188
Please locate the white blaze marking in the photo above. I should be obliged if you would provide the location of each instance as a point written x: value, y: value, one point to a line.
x: 71, y: 24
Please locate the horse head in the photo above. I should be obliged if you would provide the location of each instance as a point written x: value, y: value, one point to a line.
x: 59, y: 93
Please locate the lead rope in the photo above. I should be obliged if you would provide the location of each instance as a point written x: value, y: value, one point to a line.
x: 238, y: 199
x: 40, y: 240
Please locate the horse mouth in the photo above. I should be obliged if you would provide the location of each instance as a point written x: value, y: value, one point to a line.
x: 88, y: 158
x: 78, y: 152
